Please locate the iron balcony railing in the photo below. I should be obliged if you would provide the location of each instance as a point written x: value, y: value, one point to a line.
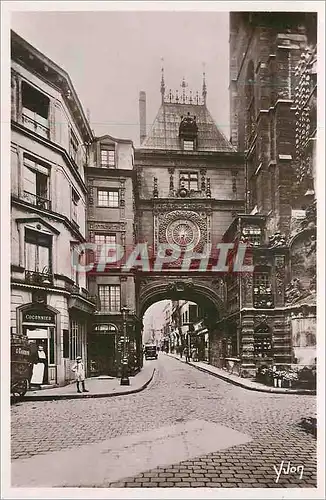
x: 38, y: 278
x: 37, y: 200
x: 76, y: 290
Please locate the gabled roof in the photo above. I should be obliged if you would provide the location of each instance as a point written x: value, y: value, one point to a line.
x: 113, y: 139
x: 164, y: 133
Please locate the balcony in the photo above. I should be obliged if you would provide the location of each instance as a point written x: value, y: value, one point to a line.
x: 35, y: 126
x: 76, y: 290
x: 39, y: 278
x: 37, y: 200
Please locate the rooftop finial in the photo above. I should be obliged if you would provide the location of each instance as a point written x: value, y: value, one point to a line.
x: 204, y: 92
x: 162, y: 80
x: 183, y: 86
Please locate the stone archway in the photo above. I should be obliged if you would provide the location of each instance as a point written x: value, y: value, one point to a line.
x: 204, y: 292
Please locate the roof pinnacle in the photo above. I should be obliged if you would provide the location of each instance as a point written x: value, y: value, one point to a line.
x: 162, y: 80
x: 204, y: 91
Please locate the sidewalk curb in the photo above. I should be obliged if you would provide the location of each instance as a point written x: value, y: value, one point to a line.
x: 271, y: 390
x: 57, y: 397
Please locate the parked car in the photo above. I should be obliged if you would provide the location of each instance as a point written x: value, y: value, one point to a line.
x: 150, y: 352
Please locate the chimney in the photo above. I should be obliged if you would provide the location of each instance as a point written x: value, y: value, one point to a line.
x: 142, y: 116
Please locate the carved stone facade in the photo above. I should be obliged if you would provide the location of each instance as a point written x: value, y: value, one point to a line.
x: 282, y: 244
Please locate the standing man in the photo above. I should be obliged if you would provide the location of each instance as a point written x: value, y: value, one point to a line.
x: 40, y: 367
x: 79, y: 370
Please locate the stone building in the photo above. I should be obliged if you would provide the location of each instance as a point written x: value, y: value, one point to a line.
x: 50, y: 135
x: 271, y: 313
x: 110, y: 220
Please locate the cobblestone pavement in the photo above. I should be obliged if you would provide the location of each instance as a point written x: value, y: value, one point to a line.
x: 180, y: 393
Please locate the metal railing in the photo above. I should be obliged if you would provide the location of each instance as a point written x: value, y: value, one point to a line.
x: 37, y: 200
x: 76, y: 290
x: 39, y: 278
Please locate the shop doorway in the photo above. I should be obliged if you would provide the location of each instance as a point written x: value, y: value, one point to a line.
x: 42, y: 336
x: 102, y: 355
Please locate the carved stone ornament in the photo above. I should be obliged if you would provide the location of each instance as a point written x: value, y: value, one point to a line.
x: 179, y: 286
x: 277, y: 240
x: 310, y: 245
x: 293, y: 291
x: 107, y: 226
x: 260, y: 319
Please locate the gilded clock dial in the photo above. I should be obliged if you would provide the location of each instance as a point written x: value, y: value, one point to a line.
x: 183, y: 233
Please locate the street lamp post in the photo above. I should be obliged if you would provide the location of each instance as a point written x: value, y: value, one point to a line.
x: 124, y: 365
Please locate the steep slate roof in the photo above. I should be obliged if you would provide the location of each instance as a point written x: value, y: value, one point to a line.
x: 164, y: 133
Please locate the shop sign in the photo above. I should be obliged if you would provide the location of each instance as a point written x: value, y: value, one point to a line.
x: 38, y: 316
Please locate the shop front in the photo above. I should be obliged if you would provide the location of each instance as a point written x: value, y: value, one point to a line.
x: 102, y: 350
x: 39, y: 327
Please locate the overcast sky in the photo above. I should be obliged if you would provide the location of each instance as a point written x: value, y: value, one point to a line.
x: 111, y: 56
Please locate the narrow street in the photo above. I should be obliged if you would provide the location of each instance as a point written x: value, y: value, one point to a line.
x: 179, y: 394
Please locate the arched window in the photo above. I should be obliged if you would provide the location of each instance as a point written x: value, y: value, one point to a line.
x: 105, y: 328
x: 250, y: 103
x: 262, y: 341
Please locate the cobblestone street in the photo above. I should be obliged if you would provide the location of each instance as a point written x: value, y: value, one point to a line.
x: 180, y: 393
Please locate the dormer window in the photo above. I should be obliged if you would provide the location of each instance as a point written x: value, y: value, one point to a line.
x: 188, y: 145
x: 108, y: 158
x: 188, y: 131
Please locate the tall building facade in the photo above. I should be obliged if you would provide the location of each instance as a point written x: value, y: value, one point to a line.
x: 110, y: 221
x: 271, y: 313
x: 50, y: 136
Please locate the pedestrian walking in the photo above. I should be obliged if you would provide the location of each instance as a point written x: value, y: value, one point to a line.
x: 186, y: 353
x: 79, y: 370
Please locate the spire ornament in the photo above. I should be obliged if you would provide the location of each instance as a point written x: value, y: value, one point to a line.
x: 162, y: 80
x: 204, y: 92
x: 183, y: 86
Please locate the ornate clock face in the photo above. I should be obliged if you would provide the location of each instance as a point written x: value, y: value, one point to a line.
x: 183, y: 233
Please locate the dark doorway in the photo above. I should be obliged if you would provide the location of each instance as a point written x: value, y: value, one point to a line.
x: 102, y: 355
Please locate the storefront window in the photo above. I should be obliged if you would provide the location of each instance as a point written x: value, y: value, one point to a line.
x: 76, y: 339
x: 65, y: 343
x: 262, y: 342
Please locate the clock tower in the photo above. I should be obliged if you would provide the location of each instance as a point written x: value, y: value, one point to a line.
x: 189, y: 185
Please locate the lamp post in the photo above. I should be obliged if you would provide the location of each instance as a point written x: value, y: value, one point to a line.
x: 124, y: 365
